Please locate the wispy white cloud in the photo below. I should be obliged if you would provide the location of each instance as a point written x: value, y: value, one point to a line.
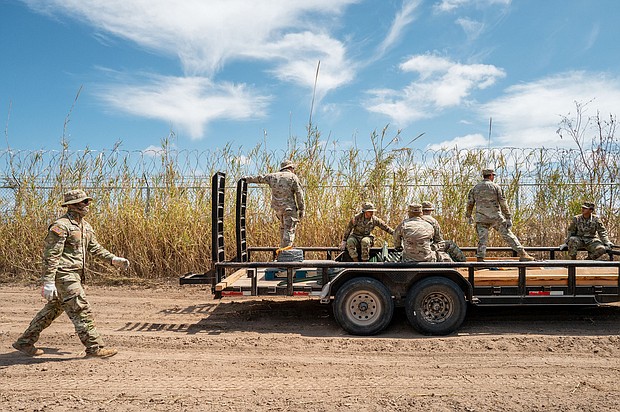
x: 528, y: 115
x: 450, y: 5
x: 189, y: 103
x: 205, y: 35
x: 442, y: 83
x: 462, y: 142
x: 402, y: 19
x: 289, y: 36
x: 472, y: 28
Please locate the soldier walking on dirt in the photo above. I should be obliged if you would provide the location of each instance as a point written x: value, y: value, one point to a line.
x: 448, y: 246
x: 358, y: 235
x: 492, y: 212
x: 415, y: 235
x: 67, y: 241
x: 287, y: 199
x: 586, y: 231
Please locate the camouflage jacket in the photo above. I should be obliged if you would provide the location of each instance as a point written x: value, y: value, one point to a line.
x: 490, y: 202
x: 286, y: 190
x: 359, y: 226
x: 66, y: 244
x: 587, y: 228
x: 437, y: 236
x: 415, y: 235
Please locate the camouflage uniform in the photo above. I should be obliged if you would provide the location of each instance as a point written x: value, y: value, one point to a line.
x: 358, y: 233
x: 491, y: 212
x: 441, y: 245
x: 287, y: 200
x: 64, y: 254
x: 589, y: 234
x: 416, y: 235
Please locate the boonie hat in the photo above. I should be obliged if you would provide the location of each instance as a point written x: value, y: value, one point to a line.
x: 368, y: 207
x: 488, y: 172
x: 588, y: 205
x: 286, y: 164
x: 415, y: 208
x: 75, y: 196
x: 427, y: 206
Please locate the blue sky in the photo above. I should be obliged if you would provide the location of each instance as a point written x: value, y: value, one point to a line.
x: 217, y: 71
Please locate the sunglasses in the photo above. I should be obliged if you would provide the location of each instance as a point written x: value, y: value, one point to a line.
x: 84, y: 202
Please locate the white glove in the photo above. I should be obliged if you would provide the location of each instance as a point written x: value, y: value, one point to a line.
x: 470, y: 221
x: 343, y: 245
x: 508, y: 223
x: 563, y: 247
x: 120, y: 262
x: 48, y: 291
x: 609, y: 245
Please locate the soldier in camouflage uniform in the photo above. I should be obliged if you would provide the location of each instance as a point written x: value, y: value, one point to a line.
x: 492, y: 212
x: 358, y: 235
x: 448, y: 246
x: 415, y: 235
x: 67, y: 241
x: 586, y: 231
x: 287, y: 199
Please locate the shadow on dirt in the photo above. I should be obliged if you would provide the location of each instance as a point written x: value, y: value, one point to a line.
x: 51, y: 355
x: 310, y: 318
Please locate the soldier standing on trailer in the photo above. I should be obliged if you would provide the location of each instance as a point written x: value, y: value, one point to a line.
x: 492, y: 212
x: 287, y: 199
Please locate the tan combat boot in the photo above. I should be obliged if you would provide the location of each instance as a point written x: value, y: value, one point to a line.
x: 526, y: 257
x: 29, y: 350
x: 102, y: 353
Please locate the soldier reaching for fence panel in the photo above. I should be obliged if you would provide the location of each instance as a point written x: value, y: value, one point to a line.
x: 287, y: 199
x: 67, y: 241
x: 358, y: 235
x: 586, y: 231
x: 492, y: 212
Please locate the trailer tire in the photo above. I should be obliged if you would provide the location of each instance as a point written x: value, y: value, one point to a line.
x: 363, y: 306
x: 435, y: 306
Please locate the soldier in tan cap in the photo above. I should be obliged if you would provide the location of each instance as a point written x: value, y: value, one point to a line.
x: 287, y: 199
x: 358, y: 235
x: 586, y: 231
x: 448, y: 246
x: 492, y: 212
x: 415, y: 236
x: 68, y: 239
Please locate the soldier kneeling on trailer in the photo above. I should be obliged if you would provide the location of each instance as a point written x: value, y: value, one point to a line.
x: 586, y: 231
x: 357, y: 235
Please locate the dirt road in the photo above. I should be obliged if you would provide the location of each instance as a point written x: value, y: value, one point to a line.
x: 181, y: 350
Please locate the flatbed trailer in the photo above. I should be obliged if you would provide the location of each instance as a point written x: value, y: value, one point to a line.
x: 435, y: 295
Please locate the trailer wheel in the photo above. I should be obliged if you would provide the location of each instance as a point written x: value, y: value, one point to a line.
x: 363, y: 306
x: 435, y: 306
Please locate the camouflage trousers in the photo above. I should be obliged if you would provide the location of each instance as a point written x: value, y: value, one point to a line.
x: 361, y: 243
x: 483, y: 228
x: 450, y: 248
x: 71, y: 300
x: 594, y: 246
x: 288, y: 224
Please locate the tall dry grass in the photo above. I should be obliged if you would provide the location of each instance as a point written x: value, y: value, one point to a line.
x: 155, y: 208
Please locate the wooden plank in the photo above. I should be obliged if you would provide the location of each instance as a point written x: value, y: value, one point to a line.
x: 229, y: 280
x: 545, y: 277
